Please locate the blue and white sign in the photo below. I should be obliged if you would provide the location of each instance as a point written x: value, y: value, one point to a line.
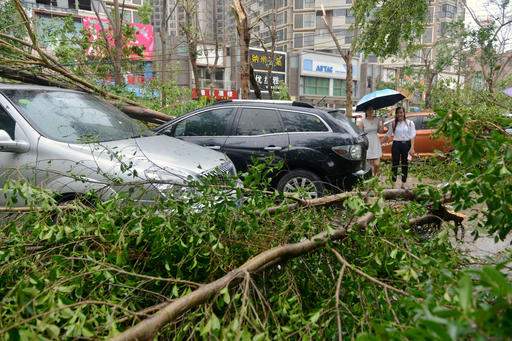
x: 324, y: 65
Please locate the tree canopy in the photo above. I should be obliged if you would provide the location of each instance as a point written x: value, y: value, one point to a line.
x: 386, y: 28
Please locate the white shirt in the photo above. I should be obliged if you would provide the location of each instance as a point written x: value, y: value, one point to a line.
x: 404, y: 131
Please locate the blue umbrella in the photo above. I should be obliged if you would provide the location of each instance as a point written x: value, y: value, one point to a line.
x: 379, y: 99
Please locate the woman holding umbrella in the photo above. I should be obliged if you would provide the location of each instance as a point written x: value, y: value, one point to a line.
x: 372, y: 126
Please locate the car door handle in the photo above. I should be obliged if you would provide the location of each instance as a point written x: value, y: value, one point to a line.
x: 273, y: 148
x: 213, y: 147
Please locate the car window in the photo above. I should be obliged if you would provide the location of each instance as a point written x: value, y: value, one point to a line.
x: 297, y: 122
x: 74, y: 117
x: 259, y: 122
x: 7, y: 123
x: 213, y: 122
x: 419, y: 124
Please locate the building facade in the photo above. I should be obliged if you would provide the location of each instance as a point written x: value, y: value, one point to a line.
x: 315, y: 72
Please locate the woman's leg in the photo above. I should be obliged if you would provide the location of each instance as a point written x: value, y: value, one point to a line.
x: 395, y: 159
x: 376, y: 167
x: 371, y: 162
x: 405, y: 162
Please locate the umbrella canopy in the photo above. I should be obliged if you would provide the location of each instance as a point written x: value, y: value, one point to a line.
x: 379, y: 99
x: 508, y: 92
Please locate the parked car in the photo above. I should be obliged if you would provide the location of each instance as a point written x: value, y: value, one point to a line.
x: 317, y: 150
x: 425, y: 143
x: 71, y: 143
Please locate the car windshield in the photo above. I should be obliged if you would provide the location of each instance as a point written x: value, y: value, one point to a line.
x: 339, y: 116
x: 74, y: 117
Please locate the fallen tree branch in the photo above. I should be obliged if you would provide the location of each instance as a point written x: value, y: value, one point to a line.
x: 52, y: 73
x: 368, y: 277
x: 338, y: 289
x: 148, y: 327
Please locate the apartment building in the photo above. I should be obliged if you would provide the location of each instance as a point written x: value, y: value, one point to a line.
x: 314, y: 70
x: 215, y: 26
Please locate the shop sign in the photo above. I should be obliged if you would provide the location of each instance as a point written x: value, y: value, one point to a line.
x: 261, y: 60
x: 330, y: 66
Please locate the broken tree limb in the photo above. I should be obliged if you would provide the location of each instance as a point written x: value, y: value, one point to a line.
x: 147, y: 328
x: 50, y: 72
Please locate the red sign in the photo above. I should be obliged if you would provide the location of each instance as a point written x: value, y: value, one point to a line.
x: 217, y: 94
x: 144, y: 35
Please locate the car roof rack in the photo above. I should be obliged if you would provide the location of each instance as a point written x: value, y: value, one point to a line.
x: 268, y: 101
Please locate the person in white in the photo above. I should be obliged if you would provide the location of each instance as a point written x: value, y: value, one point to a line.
x: 372, y: 126
x: 402, y: 132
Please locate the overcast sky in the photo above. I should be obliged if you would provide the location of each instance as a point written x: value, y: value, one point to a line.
x: 478, y: 7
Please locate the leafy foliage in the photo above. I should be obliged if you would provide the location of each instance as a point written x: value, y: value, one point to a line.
x: 386, y: 28
x: 474, y: 123
x: 92, y: 272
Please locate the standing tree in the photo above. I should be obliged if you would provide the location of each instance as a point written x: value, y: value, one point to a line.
x: 113, y: 37
x: 346, y: 55
x: 436, y: 58
x: 167, y: 13
x: 270, y: 60
x: 190, y: 27
x: 490, y: 41
x: 242, y: 26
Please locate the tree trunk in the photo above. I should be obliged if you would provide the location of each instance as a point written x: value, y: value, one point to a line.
x: 254, y: 83
x: 163, y: 61
x: 350, y: 84
x: 242, y: 27
x: 428, y: 91
x: 347, y: 58
x: 190, y: 30
x: 118, y: 44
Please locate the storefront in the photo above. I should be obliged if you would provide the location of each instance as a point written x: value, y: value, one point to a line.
x: 211, y: 63
x: 323, y: 79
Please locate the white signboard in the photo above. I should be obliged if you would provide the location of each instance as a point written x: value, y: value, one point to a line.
x: 328, y: 66
x: 206, y: 56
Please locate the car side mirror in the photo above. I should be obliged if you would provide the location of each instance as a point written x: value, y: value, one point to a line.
x: 10, y: 146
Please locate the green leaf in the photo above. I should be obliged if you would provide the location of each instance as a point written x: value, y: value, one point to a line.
x: 465, y: 293
x: 496, y: 280
x: 393, y: 253
x: 225, y: 295
x: 314, y: 318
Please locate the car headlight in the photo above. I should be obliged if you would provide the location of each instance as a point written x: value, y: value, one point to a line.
x: 349, y: 152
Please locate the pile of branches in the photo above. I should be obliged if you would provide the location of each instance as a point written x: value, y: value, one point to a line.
x: 143, y: 269
x: 24, y: 60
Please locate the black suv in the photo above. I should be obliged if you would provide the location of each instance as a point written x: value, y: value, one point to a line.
x: 318, y: 150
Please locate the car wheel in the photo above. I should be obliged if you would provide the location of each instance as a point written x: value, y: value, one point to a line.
x: 305, y: 183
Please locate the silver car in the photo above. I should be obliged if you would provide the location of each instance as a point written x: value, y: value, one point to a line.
x: 71, y: 143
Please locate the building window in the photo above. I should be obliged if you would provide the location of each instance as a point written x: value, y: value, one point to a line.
x: 305, y: 20
x: 442, y: 29
x: 427, y: 36
x: 281, y: 34
x: 303, y: 40
x: 316, y: 86
x: 47, y: 2
x: 340, y: 87
x: 304, y: 4
x: 430, y: 18
x: 448, y: 11
x: 281, y: 18
x: 80, y: 4
x: 274, y: 4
